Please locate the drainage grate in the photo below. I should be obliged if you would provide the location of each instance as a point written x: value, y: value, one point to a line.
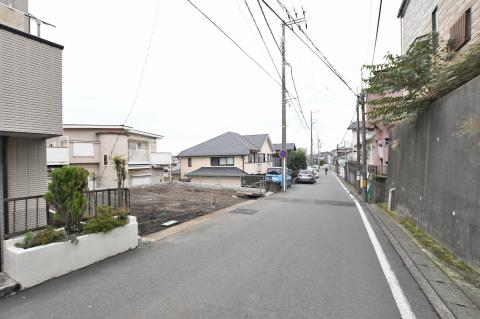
x: 244, y: 211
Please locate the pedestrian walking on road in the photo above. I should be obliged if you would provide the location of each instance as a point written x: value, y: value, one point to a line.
x: 326, y: 170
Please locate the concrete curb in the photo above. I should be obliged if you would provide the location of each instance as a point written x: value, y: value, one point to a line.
x: 435, y: 300
x: 193, y: 222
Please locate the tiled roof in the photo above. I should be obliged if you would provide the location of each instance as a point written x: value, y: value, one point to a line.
x: 217, y: 171
x: 229, y: 143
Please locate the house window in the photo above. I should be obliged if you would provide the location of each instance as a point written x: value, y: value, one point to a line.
x: 468, y: 24
x: 105, y: 160
x: 460, y: 33
x: 189, y: 162
x: 221, y: 161
x: 435, y: 20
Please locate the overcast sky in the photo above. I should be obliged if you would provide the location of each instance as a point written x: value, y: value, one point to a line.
x: 197, y: 84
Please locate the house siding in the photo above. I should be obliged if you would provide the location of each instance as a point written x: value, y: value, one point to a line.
x: 30, y: 86
x: 21, y: 5
x: 417, y: 19
x: 220, y: 180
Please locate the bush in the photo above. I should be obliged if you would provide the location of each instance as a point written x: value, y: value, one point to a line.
x: 43, y: 237
x: 298, y: 160
x: 107, y: 219
x: 66, y: 193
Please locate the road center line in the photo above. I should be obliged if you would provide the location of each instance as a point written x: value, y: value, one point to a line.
x: 397, y: 292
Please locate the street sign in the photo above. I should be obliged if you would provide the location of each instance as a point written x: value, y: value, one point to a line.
x: 283, y: 154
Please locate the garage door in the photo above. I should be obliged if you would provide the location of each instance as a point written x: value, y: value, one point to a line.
x: 141, y: 180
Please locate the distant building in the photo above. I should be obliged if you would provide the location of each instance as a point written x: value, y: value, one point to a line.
x: 277, y: 161
x: 94, y: 146
x: 224, y: 159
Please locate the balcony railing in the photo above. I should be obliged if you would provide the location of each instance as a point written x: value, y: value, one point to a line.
x: 58, y: 156
x: 139, y: 157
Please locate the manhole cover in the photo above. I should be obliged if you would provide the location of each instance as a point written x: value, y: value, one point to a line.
x: 244, y: 211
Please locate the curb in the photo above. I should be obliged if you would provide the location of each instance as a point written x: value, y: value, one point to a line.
x: 432, y: 296
x: 191, y: 223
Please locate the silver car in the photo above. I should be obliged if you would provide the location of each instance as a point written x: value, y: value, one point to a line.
x: 306, y: 176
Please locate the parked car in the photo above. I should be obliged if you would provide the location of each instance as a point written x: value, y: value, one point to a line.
x: 274, y: 176
x: 306, y: 176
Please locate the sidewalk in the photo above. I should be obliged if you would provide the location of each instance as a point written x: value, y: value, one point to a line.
x: 449, y: 297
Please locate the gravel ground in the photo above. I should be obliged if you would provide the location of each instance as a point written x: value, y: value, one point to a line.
x: 158, y: 204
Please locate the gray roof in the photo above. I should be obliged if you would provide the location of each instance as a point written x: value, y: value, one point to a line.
x: 290, y: 147
x: 229, y: 143
x: 217, y: 171
x: 353, y: 126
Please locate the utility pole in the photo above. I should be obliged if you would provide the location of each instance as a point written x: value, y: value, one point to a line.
x: 318, y: 152
x: 311, y: 138
x: 364, y: 147
x: 357, y: 177
x: 284, y: 102
x: 284, y: 113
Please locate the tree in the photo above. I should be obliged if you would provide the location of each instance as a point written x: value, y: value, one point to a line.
x: 297, y: 160
x: 67, y: 194
x: 413, y: 75
x: 120, y: 167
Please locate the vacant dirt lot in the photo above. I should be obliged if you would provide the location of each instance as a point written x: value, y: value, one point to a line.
x: 156, y: 205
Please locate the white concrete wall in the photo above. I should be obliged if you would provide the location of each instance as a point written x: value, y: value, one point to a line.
x: 32, y: 266
x: 227, y: 181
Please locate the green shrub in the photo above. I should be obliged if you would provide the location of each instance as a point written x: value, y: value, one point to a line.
x: 66, y: 193
x: 107, y: 219
x: 42, y: 237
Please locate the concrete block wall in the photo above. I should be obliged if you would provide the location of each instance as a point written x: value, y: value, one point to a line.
x: 435, y: 170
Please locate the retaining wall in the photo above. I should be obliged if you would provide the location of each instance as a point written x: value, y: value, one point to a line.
x: 436, y: 171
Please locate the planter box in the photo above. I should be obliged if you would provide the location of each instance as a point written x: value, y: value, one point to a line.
x: 32, y: 266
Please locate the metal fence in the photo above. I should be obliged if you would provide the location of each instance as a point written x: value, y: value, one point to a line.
x: 253, y: 181
x: 30, y: 213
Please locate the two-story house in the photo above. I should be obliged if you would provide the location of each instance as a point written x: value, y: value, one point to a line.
x: 224, y: 159
x: 454, y: 20
x: 30, y: 111
x: 93, y: 147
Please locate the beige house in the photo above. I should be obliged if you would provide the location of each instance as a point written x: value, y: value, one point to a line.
x: 93, y: 147
x: 224, y: 159
x: 455, y: 20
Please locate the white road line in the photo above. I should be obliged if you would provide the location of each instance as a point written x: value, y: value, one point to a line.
x: 397, y: 292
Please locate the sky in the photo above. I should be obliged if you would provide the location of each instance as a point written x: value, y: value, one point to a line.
x: 196, y: 83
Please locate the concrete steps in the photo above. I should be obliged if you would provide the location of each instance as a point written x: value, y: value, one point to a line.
x: 7, y: 285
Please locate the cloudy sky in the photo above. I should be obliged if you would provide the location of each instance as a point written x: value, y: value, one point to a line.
x: 196, y: 83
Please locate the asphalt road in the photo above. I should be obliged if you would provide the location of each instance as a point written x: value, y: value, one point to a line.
x: 301, y: 254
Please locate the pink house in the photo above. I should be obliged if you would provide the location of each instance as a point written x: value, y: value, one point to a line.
x: 379, y: 142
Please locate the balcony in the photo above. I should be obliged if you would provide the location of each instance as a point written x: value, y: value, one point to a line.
x: 57, y: 156
x: 30, y: 84
x: 139, y: 157
x: 161, y: 158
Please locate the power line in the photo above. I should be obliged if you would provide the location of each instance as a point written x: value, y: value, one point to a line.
x: 319, y: 54
x: 139, y: 85
x: 273, y: 62
x: 234, y: 42
x: 343, y: 138
x: 298, y: 96
x: 263, y: 40
x: 268, y: 25
x: 378, y: 26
